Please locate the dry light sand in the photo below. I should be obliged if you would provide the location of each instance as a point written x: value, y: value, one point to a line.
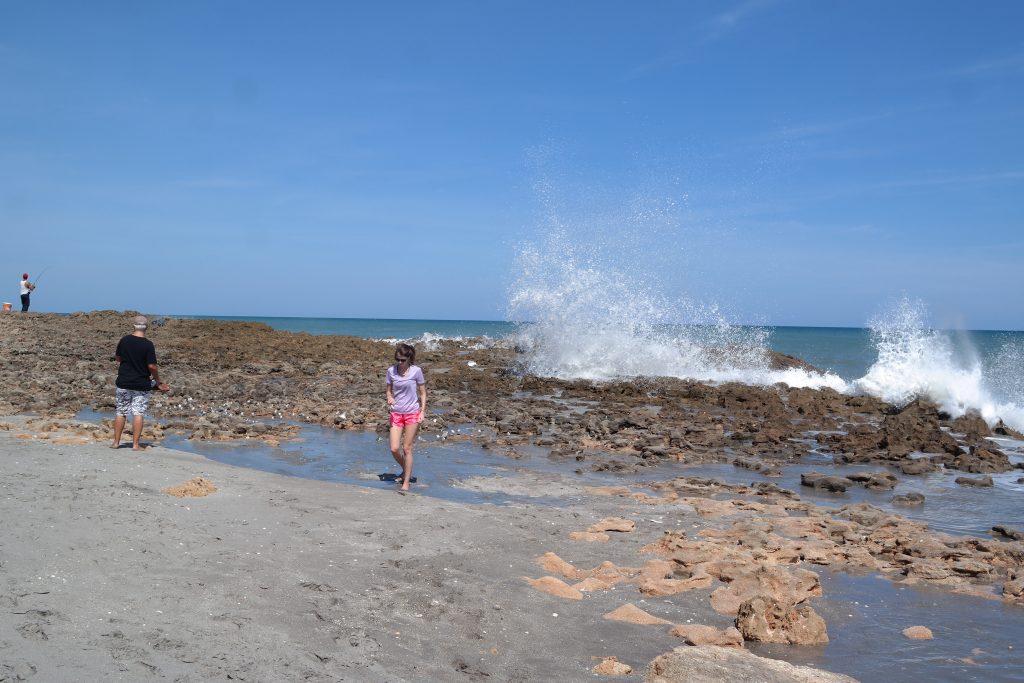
x: 106, y: 573
x: 104, y: 576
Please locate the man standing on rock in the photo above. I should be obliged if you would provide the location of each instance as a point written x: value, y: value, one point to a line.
x: 26, y: 292
x: 137, y: 375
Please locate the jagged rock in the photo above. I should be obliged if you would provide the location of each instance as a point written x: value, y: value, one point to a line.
x: 767, y: 620
x: 710, y: 664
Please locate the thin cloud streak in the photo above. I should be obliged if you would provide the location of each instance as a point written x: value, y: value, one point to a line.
x: 988, y: 68
x: 723, y: 24
x: 709, y: 31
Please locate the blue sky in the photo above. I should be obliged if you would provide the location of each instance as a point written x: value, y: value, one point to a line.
x: 794, y: 162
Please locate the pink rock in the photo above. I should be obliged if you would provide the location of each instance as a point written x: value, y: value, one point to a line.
x: 613, y: 524
x: 918, y: 633
x: 699, y: 634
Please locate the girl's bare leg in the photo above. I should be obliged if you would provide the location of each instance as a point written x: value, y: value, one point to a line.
x: 410, y: 436
x: 396, y: 446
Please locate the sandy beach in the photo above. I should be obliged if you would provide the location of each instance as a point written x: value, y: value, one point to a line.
x: 659, y: 573
x: 106, y: 577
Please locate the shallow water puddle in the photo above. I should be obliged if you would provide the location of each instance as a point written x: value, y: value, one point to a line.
x: 948, y: 506
x: 975, y: 639
x: 451, y: 470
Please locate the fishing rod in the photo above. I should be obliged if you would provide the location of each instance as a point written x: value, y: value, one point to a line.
x: 40, y: 276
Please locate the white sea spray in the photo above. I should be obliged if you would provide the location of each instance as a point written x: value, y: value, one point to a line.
x: 591, y: 320
x: 917, y: 361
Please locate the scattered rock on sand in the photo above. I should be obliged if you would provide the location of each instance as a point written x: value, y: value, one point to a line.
x: 710, y: 664
x: 193, y: 488
x: 769, y: 620
x: 918, y: 633
x: 631, y: 614
x: 588, y: 536
x: 699, y: 634
x: 556, y: 587
x: 556, y: 565
x: 611, y: 666
x: 592, y: 584
x: 658, y: 577
x: 613, y: 524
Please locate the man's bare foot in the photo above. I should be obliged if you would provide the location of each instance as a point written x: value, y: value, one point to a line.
x: 115, y: 445
x: 138, y: 448
x: 405, y: 487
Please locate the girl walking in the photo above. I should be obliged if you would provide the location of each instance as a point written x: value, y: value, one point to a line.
x: 405, y: 380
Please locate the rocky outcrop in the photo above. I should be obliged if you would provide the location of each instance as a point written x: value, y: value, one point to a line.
x: 710, y: 664
x: 769, y: 620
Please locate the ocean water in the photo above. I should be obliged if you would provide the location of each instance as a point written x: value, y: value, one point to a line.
x: 897, y: 358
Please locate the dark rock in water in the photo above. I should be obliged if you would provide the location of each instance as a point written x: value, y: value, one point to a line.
x: 748, y: 463
x: 918, y: 466
x: 908, y: 499
x: 766, y: 488
x: 971, y: 424
x: 979, y: 482
x: 783, y: 361
x: 916, y: 428
x: 980, y: 459
x: 825, y: 482
x: 876, y: 481
x: 1008, y: 532
x: 1002, y: 430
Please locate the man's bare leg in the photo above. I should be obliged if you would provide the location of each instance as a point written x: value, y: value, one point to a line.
x: 118, y: 428
x: 136, y: 432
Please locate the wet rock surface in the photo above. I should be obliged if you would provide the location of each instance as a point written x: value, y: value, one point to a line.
x: 232, y: 381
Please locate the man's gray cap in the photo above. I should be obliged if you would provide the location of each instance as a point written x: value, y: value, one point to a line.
x: 140, y: 321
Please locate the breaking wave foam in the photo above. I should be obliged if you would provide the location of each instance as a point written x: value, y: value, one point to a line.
x: 916, y: 361
x: 589, y: 321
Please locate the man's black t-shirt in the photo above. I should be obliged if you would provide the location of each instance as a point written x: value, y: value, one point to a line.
x: 136, y: 354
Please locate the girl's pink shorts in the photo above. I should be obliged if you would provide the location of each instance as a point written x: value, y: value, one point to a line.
x: 403, y: 419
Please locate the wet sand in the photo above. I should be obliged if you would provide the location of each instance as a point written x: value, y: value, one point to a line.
x: 104, y: 576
